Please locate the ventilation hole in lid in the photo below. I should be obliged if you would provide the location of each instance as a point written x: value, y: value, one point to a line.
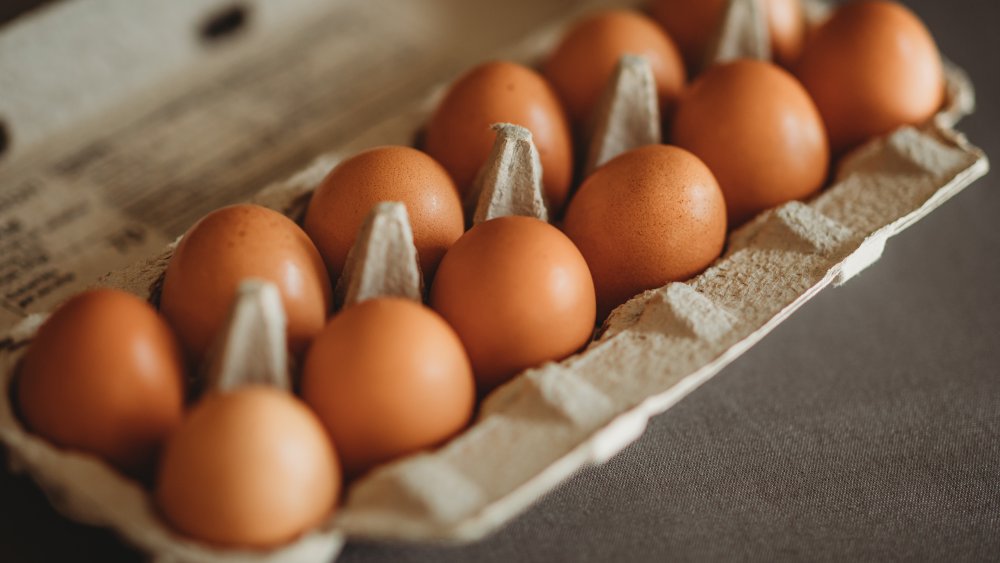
x: 224, y: 24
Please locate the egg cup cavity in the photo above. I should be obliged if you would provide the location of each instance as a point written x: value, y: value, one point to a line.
x: 550, y: 421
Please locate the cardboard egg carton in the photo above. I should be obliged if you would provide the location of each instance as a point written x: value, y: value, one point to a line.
x: 550, y: 421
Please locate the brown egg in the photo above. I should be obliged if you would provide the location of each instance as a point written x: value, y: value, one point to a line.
x: 104, y: 375
x: 690, y: 24
x: 459, y: 134
x: 759, y: 133
x: 388, y: 377
x: 518, y: 293
x: 694, y: 23
x: 652, y: 215
x: 341, y: 203
x: 871, y: 68
x: 224, y: 248
x: 581, y: 65
x: 249, y: 468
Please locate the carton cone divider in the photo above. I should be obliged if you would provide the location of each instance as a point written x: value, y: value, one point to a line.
x: 252, y: 347
x: 742, y: 34
x: 510, y: 182
x: 383, y: 261
x: 628, y: 115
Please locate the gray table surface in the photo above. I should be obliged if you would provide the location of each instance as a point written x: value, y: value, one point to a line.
x: 867, y: 426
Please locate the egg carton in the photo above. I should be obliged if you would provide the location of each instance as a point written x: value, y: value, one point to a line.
x: 538, y: 429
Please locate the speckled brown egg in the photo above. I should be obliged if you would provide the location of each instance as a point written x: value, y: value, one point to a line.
x: 872, y: 67
x: 342, y: 201
x: 459, y: 135
x: 650, y: 216
x: 758, y: 131
x: 694, y: 23
x: 518, y: 294
x: 250, y: 468
x: 232, y: 244
x: 582, y: 64
x: 388, y: 377
x: 104, y: 375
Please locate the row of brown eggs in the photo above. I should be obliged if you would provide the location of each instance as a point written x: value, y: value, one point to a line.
x: 387, y: 377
